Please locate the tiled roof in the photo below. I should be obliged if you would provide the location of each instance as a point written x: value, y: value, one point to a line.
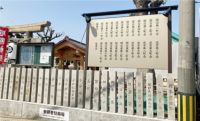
x: 75, y: 42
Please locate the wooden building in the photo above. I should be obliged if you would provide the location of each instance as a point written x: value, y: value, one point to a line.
x: 69, y: 53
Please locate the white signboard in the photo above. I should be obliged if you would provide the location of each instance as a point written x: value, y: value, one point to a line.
x: 54, y: 114
x: 129, y: 42
x: 45, y: 54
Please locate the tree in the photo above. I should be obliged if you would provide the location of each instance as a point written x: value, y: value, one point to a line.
x: 156, y: 3
x: 141, y: 4
x: 147, y: 3
x: 48, y: 35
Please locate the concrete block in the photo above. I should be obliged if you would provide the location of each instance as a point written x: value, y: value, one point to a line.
x: 10, y: 108
x: 80, y: 115
x: 31, y: 111
x: 101, y: 116
x: 128, y: 118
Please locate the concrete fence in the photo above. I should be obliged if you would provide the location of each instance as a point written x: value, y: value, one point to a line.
x: 91, y: 93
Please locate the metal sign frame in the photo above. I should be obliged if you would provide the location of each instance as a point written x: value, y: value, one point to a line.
x: 168, y: 12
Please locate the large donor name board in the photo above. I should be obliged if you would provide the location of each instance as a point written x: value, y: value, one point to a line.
x: 129, y: 42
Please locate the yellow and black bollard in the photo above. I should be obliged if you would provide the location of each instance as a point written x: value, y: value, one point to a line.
x: 186, y: 107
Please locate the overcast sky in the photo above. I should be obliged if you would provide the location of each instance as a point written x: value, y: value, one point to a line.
x: 65, y: 15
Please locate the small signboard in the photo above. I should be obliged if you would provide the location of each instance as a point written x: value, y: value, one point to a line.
x: 129, y: 42
x: 35, y: 54
x: 54, y: 114
x: 3, y: 43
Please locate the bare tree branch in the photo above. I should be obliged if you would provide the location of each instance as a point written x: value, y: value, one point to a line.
x: 48, y: 34
x: 56, y: 36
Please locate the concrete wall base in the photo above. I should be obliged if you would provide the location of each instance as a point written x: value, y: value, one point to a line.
x: 30, y: 111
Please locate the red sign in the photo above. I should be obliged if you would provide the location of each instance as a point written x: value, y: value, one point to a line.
x: 3, y: 43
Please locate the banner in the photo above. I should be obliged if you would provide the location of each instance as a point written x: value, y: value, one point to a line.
x: 3, y: 43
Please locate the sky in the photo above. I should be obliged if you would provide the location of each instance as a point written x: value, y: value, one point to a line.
x: 65, y: 15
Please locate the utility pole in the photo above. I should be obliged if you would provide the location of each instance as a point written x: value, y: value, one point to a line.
x: 186, y: 66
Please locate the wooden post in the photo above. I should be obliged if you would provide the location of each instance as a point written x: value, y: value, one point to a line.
x: 22, y: 85
x: 89, y: 87
x: 113, y: 91
x: 121, y: 92
x: 28, y: 85
x: 80, y: 88
x: 73, y: 93
x: 6, y: 83
x: 129, y: 78
x: 170, y: 97
x: 67, y: 85
x: 149, y: 94
x: 34, y: 85
x: 46, y: 86
x: 96, y: 92
x: 53, y: 87
x: 104, y: 91
x: 40, y: 86
x: 17, y: 83
x: 2, y: 80
x: 160, y: 99
x: 11, y: 84
x: 139, y: 93
x: 59, y: 88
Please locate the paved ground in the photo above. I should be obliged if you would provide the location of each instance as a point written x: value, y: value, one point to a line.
x: 15, y: 119
x: 18, y: 119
